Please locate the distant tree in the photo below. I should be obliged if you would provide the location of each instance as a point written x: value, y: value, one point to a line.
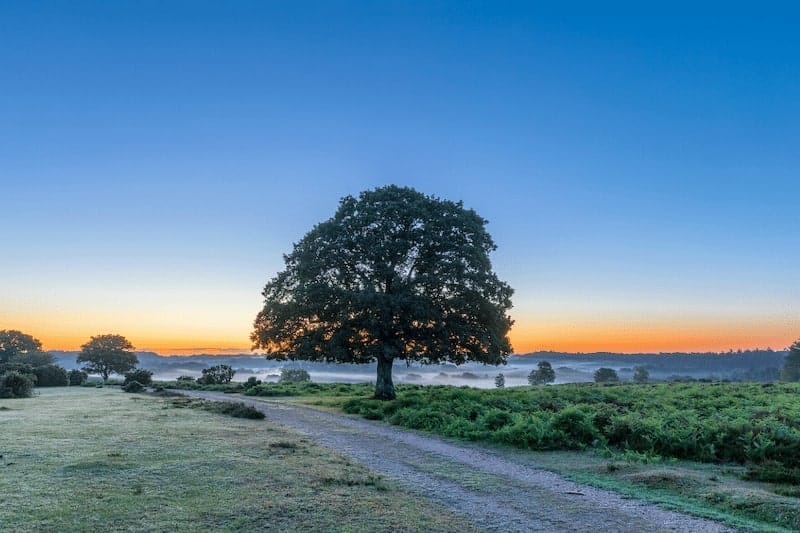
x: 51, y: 376
x: 14, y: 343
x: 294, y: 375
x: 15, y: 384
x: 108, y: 354
x: 251, y: 382
x: 216, y: 375
x: 33, y: 358
x: 500, y: 381
x: 394, y: 274
x: 77, y: 377
x: 606, y: 375
x: 140, y: 375
x: 641, y: 375
x: 791, y: 367
x: 543, y: 374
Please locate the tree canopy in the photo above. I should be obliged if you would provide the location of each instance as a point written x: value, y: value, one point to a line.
x: 791, y: 367
x: 543, y: 374
x: 108, y: 354
x: 394, y: 274
x: 14, y: 343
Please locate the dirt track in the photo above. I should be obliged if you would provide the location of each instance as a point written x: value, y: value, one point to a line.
x: 496, y: 491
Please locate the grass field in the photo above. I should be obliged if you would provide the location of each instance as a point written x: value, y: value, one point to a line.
x: 87, y: 459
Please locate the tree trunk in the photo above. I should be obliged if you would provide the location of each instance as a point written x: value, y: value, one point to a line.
x: 384, y: 388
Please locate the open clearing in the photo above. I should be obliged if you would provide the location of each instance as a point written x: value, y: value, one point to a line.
x: 86, y: 459
x: 495, y: 490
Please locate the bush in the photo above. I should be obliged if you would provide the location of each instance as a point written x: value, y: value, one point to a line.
x: 606, y: 375
x: 251, y: 382
x: 294, y: 375
x: 216, y: 375
x: 144, y: 377
x: 500, y: 381
x: 133, y: 386
x: 77, y: 377
x: 15, y: 384
x: 51, y: 376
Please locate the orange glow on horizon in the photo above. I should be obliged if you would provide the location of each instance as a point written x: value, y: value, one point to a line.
x: 528, y: 335
x: 651, y: 338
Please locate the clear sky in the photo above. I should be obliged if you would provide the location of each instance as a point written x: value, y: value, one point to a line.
x: 639, y: 167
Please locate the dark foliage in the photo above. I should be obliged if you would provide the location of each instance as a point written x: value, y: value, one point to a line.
x: 543, y: 374
x: 51, y: 376
x: 133, y: 386
x: 606, y: 375
x: 77, y: 377
x: 394, y: 274
x: 15, y: 384
x: 251, y: 382
x: 216, y: 375
x: 294, y: 375
x: 144, y: 377
x: 14, y: 343
x: 641, y: 375
x: 108, y: 354
x: 791, y: 367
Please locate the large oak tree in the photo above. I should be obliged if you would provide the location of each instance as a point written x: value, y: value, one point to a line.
x: 394, y: 274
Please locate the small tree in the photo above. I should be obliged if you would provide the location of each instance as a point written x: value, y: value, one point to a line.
x: 77, y: 377
x: 216, y: 375
x: 394, y: 274
x: 542, y: 375
x: 606, y: 375
x: 108, y: 354
x: 14, y: 343
x: 500, y: 381
x: 641, y: 375
x: 791, y: 367
x: 15, y: 384
x: 294, y: 375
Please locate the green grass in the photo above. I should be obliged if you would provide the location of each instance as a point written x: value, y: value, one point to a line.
x: 87, y: 459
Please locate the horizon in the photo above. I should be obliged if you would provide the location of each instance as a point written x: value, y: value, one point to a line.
x: 638, y: 171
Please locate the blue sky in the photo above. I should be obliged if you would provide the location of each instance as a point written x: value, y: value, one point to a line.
x: 638, y: 168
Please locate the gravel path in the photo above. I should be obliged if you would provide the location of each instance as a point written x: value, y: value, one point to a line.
x: 497, y: 491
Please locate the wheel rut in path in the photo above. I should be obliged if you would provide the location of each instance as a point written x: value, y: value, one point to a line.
x: 496, y: 491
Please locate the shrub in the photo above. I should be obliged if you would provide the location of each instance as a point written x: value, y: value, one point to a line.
x: 251, y: 382
x: 606, y: 375
x: 15, y: 384
x: 133, y: 386
x: 22, y: 368
x: 294, y: 375
x: 500, y: 381
x: 77, y: 377
x: 216, y: 375
x: 144, y: 377
x: 51, y: 376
